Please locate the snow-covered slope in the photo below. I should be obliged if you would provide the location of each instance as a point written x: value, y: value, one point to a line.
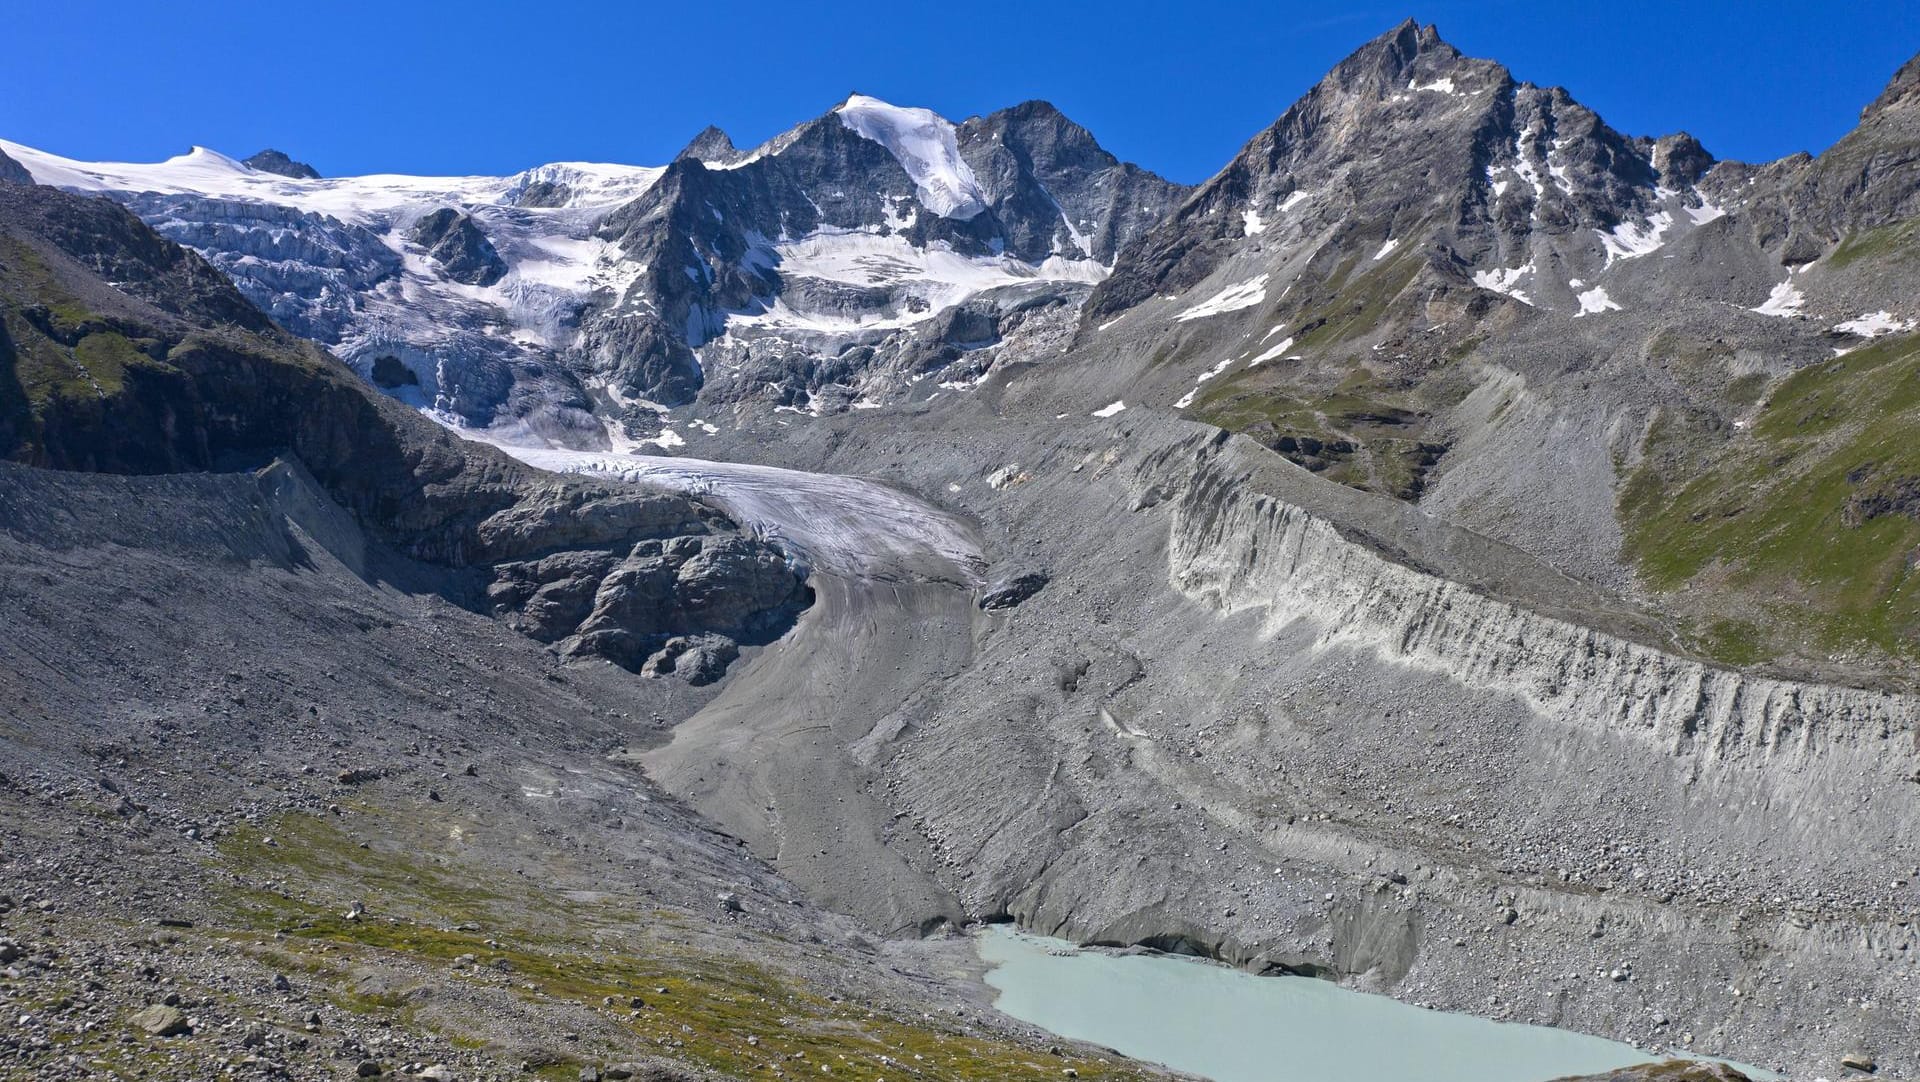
x: 206, y: 172
x: 926, y: 146
x: 333, y: 259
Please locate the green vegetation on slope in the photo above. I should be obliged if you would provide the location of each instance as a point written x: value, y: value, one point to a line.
x: 669, y: 980
x: 1336, y: 417
x: 1879, y: 244
x: 1802, y: 530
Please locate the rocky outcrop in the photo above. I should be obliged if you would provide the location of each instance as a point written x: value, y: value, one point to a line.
x: 12, y: 172
x: 712, y: 146
x: 1670, y: 1070
x: 1866, y: 180
x: 274, y: 161
x: 1012, y: 590
x: 458, y: 245
x: 658, y: 608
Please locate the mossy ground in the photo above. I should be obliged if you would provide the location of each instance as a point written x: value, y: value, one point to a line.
x: 60, y: 349
x: 736, y: 1012
x: 1769, y: 523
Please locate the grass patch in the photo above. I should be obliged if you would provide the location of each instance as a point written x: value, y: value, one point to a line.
x: 1812, y: 513
x: 722, y: 1011
x: 1894, y: 240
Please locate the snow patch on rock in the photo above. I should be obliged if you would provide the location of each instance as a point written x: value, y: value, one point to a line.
x: 1784, y: 301
x: 1629, y: 240
x: 1231, y: 299
x: 1279, y: 350
x: 1875, y: 324
x: 1187, y: 399
x: 1506, y: 281
x: 1594, y: 301
x: 926, y: 146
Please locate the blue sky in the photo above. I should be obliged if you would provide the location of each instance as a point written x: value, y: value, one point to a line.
x: 484, y: 87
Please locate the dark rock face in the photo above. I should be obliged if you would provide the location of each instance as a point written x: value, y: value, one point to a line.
x: 389, y: 374
x: 455, y: 242
x: 1054, y: 189
x: 170, y: 370
x: 1877, y: 496
x: 701, y: 231
x: 544, y: 194
x: 712, y: 146
x: 273, y: 161
x: 632, y: 610
x: 1012, y: 590
x: 12, y: 172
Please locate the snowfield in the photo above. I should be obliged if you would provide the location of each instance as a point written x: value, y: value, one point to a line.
x: 358, y: 199
x: 924, y: 144
x: 1784, y: 301
x: 1231, y: 299
x: 936, y: 275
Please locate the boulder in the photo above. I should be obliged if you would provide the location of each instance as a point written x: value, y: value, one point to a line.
x: 1011, y: 590
x: 161, y: 1021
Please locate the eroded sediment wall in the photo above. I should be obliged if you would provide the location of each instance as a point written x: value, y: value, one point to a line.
x: 1238, y: 549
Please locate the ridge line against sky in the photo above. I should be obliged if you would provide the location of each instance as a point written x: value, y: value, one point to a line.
x: 487, y: 88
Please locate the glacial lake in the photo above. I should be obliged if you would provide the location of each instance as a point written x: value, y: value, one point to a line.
x: 1233, y: 1026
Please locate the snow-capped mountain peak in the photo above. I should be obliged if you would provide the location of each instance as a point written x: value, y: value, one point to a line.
x: 927, y: 146
x: 860, y: 256
x: 205, y: 172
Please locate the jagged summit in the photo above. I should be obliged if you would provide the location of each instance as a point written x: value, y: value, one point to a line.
x: 1409, y: 141
x: 712, y: 146
x: 1386, y: 61
x: 274, y: 161
x: 1901, y: 91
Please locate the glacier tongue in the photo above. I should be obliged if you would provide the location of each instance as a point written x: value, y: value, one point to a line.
x: 925, y: 145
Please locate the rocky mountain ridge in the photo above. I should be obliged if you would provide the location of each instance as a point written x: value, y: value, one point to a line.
x: 1459, y: 550
x: 560, y: 304
x: 1431, y: 281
